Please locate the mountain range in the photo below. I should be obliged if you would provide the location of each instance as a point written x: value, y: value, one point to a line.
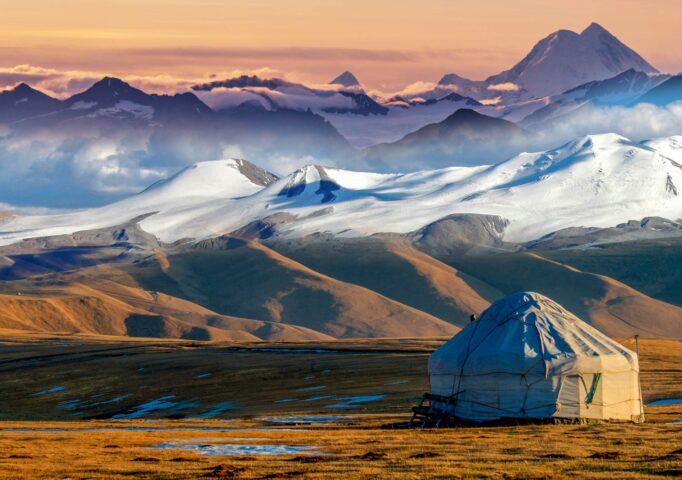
x: 593, y: 181
x: 225, y: 250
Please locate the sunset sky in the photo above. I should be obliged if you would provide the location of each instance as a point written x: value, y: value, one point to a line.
x: 387, y: 44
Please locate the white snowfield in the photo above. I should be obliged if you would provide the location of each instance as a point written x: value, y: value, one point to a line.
x: 595, y: 181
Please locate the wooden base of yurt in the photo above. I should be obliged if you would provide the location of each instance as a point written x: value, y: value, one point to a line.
x: 430, y: 414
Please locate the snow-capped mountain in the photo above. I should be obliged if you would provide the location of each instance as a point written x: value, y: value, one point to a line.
x: 566, y: 59
x: 594, y: 181
x: 559, y: 62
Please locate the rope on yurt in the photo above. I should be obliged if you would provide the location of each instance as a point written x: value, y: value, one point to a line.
x: 542, y: 346
x: 466, y: 358
x: 469, y: 350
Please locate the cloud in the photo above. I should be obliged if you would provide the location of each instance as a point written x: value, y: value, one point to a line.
x: 294, y: 97
x: 491, y: 101
x: 504, y: 87
x: 59, y: 83
x: 641, y: 122
x: 416, y: 88
x: 64, y: 83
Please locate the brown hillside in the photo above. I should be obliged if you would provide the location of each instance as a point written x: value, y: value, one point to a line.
x: 396, y: 270
x: 254, y: 281
x: 611, y: 306
x: 108, y: 308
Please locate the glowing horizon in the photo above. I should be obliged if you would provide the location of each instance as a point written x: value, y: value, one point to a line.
x: 387, y: 45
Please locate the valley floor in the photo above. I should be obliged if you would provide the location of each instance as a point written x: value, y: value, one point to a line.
x: 194, y: 399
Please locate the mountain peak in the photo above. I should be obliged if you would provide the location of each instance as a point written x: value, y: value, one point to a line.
x: 564, y: 60
x: 453, y: 79
x: 228, y: 178
x: 594, y: 27
x: 111, y: 83
x: 23, y: 102
x: 109, y: 91
x: 347, y: 79
x: 466, y: 113
x: 23, y: 88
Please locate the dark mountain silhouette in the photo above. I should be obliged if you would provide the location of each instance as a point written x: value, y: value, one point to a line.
x: 347, y: 79
x: 464, y: 138
x: 23, y: 102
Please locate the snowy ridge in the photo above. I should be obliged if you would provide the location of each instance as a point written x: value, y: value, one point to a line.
x: 594, y: 181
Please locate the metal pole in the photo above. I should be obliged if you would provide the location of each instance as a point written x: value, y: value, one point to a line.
x: 639, y: 383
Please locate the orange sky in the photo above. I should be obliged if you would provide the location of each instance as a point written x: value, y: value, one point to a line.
x: 387, y: 43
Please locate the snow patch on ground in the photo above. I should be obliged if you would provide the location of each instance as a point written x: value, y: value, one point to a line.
x: 241, y: 449
x: 216, y: 410
x: 317, y: 398
x: 49, y: 390
x: 304, y: 420
x: 315, y: 387
x: 350, y: 402
x: 161, y: 403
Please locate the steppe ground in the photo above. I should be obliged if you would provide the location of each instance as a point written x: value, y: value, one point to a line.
x: 57, y: 391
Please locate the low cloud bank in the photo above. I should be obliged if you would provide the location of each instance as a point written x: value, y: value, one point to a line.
x: 66, y: 169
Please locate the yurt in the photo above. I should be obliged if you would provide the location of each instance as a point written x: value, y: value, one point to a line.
x: 526, y: 357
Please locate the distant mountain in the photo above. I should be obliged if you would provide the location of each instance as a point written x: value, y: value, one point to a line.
x: 464, y: 138
x: 22, y: 102
x: 403, y: 102
x: 667, y: 92
x: 463, y: 123
x: 565, y: 59
x: 618, y: 90
x: 464, y: 86
x: 275, y: 93
x: 347, y: 79
x: 404, y: 115
x: 114, y: 98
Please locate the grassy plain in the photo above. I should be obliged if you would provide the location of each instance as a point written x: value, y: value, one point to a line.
x: 58, y: 434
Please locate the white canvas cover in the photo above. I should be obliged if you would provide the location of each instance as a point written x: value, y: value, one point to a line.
x: 527, y: 357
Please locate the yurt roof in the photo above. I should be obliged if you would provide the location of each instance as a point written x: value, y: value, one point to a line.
x: 526, y: 332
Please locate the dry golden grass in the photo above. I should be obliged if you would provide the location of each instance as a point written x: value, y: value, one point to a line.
x: 255, y: 380
x: 566, y: 451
